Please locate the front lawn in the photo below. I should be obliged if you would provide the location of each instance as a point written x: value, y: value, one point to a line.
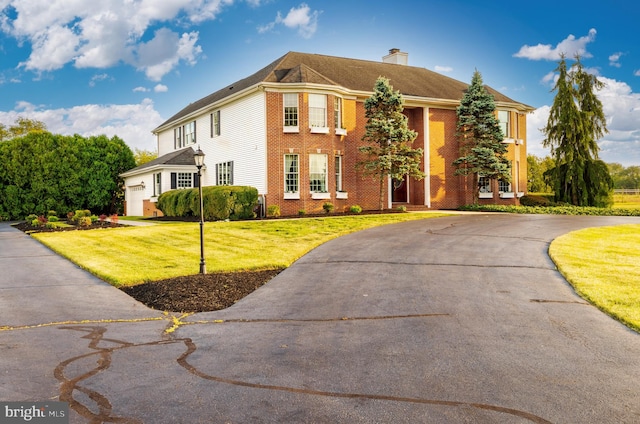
x: 602, y: 264
x: 133, y: 255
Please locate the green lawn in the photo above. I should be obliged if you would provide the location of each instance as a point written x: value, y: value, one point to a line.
x: 132, y: 255
x: 603, y: 266
x: 626, y: 201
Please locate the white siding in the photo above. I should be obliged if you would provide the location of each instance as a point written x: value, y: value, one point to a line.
x: 242, y: 140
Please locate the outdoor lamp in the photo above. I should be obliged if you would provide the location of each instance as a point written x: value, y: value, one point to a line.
x: 198, y: 157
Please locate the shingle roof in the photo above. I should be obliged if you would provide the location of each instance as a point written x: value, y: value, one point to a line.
x: 179, y: 157
x: 352, y: 74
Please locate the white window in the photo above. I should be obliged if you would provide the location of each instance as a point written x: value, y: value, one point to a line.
x: 290, y: 101
x: 504, y: 186
x: 291, y: 174
x: 157, y: 184
x: 338, y: 173
x: 318, y: 173
x: 505, y: 122
x: 337, y: 112
x: 224, y: 173
x: 185, y: 180
x: 484, y: 184
x: 215, y: 123
x: 189, y: 133
x: 177, y: 138
x: 317, y: 110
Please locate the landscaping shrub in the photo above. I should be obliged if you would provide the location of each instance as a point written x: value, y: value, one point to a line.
x: 50, y: 225
x: 219, y: 202
x: 84, y: 221
x: 52, y: 213
x: 273, y: 211
x: 53, y: 218
x: 355, y: 209
x: 328, y: 207
x: 534, y: 200
x: 302, y: 212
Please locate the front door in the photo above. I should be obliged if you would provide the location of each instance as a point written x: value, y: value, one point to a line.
x: 400, y: 191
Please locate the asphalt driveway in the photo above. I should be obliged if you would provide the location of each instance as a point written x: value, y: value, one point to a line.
x: 446, y: 320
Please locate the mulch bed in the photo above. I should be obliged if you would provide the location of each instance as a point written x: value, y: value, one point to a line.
x: 199, y: 292
x: 28, y: 228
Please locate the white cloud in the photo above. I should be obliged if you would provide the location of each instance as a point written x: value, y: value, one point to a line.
x: 97, y: 78
x: 614, y: 59
x: 301, y: 18
x: 132, y: 122
x: 101, y: 34
x: 621, y: 107
x: 141, y: 90
x: 637, y: 73
x: 439, y: 68
x: 570, y: 47
x: 160, y: 88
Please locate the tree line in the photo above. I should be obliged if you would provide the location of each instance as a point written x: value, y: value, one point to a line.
x: 41, y: 171
x: 539, y: 178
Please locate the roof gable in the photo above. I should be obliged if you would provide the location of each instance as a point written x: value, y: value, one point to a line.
x: 180, y: 157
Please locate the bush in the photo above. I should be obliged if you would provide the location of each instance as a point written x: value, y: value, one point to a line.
x: 50, y: 224
x: 273, y: 211
x: 534, y: 200
x: 402, y: 208
x: 52, y: 213
x: 219, y: 202
x: 302, y: 212
x: 53, y: 218
x: 103, y: 217
x: 31, y: 217
x: 70, y: 216
x: 355, y: 209
x: 328, y: 207
x: 84, y: 221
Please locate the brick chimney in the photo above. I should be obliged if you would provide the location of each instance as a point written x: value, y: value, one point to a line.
x: 397, y: 57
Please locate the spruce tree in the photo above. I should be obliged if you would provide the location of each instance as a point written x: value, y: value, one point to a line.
x: 390, y: 153
x: 576, y: 121
x: 480, y: 136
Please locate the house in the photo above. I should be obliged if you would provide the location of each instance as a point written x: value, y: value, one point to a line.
x: 292, y: 130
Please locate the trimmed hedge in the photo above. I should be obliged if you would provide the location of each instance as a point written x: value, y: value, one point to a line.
x: 552, y: 210
x: 219, y: 202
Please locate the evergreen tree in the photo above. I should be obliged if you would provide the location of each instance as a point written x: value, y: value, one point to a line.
x: 390, y: 153
x: 576, y: 121
x: 480, y: 136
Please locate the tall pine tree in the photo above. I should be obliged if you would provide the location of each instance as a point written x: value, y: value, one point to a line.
x: 480, y: 136
x: 576, y: 121
x: 390, y: 153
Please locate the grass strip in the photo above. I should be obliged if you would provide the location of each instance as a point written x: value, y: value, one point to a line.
x: 602, y: 265
x: 133, y: 255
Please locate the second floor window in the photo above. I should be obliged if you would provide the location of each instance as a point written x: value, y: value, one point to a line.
x: 189, y: 133
x: 290, y: 109
x: 317, y: 110
x: 215, y: 123
x: 505, y: 123
x: 337, y: 112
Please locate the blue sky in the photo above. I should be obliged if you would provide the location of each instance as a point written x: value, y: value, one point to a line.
x: 121, y: 67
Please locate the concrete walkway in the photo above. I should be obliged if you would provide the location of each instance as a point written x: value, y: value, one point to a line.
x: 447, y: 320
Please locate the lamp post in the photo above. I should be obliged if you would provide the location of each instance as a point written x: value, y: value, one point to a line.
x: 198, y: 156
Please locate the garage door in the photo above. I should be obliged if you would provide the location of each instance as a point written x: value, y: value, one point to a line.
x: 135, y: 201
